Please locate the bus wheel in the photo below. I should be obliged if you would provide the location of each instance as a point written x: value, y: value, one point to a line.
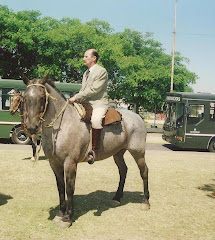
x: 212, y: 146
x: 20, y: 137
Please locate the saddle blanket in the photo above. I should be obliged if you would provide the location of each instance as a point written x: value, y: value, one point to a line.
x: 85, y: 109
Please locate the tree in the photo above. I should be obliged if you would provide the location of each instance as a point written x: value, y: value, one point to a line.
x: 139, y: 70
x: 18, y: 42
x: 145, y: 71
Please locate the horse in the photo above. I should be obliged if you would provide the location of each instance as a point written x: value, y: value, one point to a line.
x: 66, y: 142
x: 17, y: 104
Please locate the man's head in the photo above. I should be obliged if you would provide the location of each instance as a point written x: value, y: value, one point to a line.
x: 90, y: 57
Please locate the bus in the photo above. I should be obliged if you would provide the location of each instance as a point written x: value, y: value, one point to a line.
x: 10, y: 126
x: 190, y: 120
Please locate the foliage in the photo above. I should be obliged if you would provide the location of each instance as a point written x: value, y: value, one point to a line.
x: 145, y: 72
x: 139, y: 70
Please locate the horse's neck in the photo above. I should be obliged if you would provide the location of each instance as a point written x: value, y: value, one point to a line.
x: 56, y: 102
x: 58, y: 132
x: 21, y: 106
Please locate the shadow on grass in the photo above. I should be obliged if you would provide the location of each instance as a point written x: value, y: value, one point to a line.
x: 40, y: 158
x: 175, y: 148
x: 209, y: 188
x: 100, y: 201
x: 4, y: 198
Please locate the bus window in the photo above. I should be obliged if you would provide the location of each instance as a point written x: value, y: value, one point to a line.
x: 212, y: 111
x: 174, y: 113
x: 180, y: 113
x: 170, y: 112
x: 6, y: 95
x: 196, y: 114
x: 6, y: 98
x: 0, y: 99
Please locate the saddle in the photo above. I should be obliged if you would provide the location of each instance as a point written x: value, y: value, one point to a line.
x: 85, y: 112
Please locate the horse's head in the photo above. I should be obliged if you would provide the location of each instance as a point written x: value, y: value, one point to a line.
x: 16, y: 101
x: 35, y: 102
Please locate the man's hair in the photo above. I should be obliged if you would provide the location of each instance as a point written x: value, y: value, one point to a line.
x: 95, y: 53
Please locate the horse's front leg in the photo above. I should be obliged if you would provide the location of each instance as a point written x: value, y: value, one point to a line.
x: 59, y: 175
x: 120, y: 162
x: 34, y: 146
x: 70, y: 169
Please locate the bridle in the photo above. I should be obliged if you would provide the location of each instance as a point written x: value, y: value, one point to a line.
x: 41, y: 117
x: 47, y: 96
x: 19, y: 103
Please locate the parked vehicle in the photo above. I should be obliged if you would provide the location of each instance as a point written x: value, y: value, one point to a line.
x: 190, y: 120
x: 10, y: 126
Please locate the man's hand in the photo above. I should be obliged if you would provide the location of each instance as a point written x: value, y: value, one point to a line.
x: 72, y: 99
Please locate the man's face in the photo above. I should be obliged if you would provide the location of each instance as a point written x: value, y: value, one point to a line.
x: 89, y: 59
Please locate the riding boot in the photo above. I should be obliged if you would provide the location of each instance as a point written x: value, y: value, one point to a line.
x: 96, y: 134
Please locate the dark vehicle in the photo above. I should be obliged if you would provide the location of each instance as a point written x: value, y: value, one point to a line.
x: 190, y: 120
x: 10, y: 126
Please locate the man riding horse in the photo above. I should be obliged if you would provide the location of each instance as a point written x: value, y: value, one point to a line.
x: 66, y: 139
x: 94, y: 91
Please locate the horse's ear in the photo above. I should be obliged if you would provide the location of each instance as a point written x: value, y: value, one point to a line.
x: 25, y: 80
x: 45, y: 79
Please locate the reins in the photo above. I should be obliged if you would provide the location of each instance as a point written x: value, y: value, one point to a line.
x: 63, y: 109
x: 47, y: 94
x: 46, y: 104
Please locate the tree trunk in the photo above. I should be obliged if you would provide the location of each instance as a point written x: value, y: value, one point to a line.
x: 136, y: 107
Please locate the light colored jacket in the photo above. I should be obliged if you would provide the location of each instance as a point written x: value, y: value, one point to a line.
x: 94, y: 88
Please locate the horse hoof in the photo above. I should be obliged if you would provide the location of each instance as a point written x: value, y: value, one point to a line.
x: 145, y: 206
x: 115, y: 203
x: 57, y: 219
x: 91, y: 157
x: 63, y: 224
x: 33, y: 159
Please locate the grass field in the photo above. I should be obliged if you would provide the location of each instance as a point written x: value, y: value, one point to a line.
x: 182, y: 187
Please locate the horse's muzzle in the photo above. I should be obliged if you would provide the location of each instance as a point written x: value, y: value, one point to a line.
x: 32, y: 130
x: 12, y: 112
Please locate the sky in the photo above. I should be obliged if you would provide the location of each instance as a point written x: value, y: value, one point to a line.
x: 195, y: 20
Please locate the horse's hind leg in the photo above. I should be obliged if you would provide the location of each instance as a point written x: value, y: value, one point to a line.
x: 120, y: 162
x: 140, y: 160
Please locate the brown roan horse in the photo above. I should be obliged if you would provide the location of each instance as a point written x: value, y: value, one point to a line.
x: 67, y: 142
x: 17, y: 104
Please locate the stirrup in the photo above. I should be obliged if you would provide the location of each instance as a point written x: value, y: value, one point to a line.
x: 91, y: 153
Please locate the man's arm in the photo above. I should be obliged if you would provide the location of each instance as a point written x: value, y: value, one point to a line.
x: 93, y: 87
x: 72, y: 99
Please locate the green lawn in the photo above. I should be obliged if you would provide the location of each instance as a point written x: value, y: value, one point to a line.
x: 182, y: 185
